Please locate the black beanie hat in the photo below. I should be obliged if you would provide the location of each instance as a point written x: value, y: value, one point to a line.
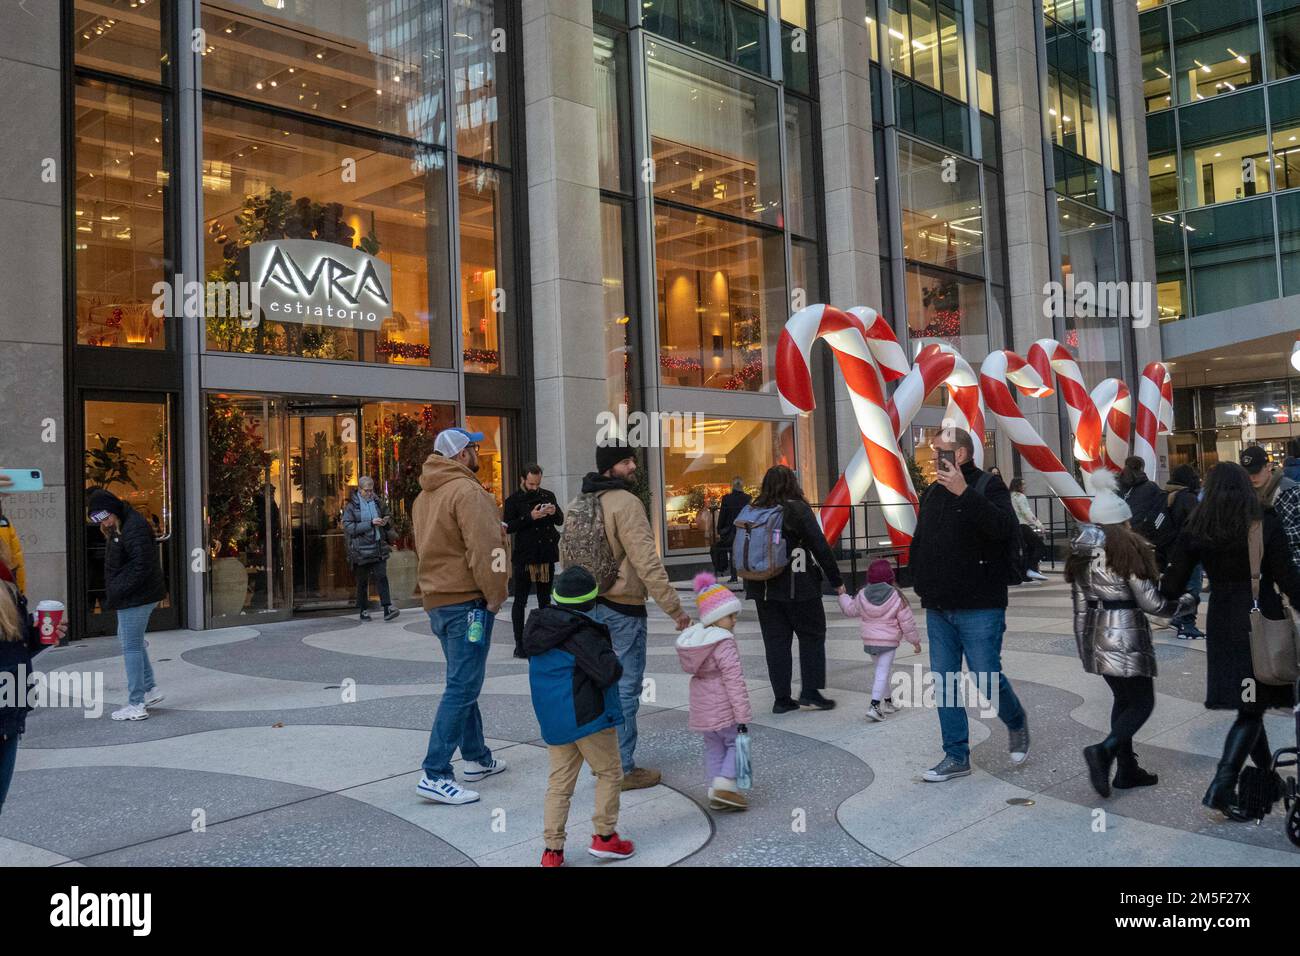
x: 101, y: 500
x: 607, y: 456
x: 575, y: 589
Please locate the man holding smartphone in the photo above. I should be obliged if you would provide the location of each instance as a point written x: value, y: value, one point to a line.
x: 533, y: 516
x: 961, y: 561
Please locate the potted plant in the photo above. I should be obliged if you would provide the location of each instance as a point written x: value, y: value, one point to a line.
x: 237, y: 466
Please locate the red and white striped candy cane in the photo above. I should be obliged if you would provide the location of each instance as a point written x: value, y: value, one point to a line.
x: 1048, y: 356
x: 849, y: 336
x: 1115, y: 406
x: 1001, y: 367
x: 1155, y: 414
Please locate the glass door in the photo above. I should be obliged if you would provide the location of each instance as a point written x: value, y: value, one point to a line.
x: 324, y: 445
x: 127, y: 450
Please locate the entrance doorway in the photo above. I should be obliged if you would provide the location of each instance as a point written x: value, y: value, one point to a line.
x: 324, y: 461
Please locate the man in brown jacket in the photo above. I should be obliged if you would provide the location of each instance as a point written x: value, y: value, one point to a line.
x: 463, y: 569
x: 622, y: 607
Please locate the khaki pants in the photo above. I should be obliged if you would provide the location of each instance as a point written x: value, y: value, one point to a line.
x: 600, y: 751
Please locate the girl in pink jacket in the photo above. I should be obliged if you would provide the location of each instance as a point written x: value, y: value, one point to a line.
x: 886, y: 621
x: 719, y: 699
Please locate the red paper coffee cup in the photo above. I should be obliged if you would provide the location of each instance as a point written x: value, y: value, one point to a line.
x: 49, y: 615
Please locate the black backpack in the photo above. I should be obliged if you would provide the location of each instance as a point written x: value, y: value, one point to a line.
x: 1164, y: 531
x: 1015, y: 565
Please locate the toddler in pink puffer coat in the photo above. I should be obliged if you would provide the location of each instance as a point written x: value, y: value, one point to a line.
x: 719, y: 699
x: 887, y: 621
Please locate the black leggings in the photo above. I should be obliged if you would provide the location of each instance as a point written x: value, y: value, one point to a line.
x: 520, y: 593
x: 1135, y: 699
x: 379, y: 571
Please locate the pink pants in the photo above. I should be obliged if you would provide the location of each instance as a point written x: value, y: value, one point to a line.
x: 881, y: 683
x: 720, y: 753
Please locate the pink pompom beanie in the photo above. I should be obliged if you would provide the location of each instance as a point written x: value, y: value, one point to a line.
x: 714, y: 600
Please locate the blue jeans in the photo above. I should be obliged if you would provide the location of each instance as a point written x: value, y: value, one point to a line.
x: 629, y: 636
x: 458, y: 722
x: 8, y: 757
x: 978, y: 635
x: 131, y: 625
x: 1193, y: 588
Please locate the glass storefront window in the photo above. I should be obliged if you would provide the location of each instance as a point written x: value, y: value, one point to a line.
x: 714, y: 138
x: 942, y: 220
x: 270, y: 177
x: 722, y: 301
x: 120, y: 36
x: 493, y: 470
x: 1230, y: 252
x: 372, y: 63
x: 700, y: 460
x: 948, y: 308
x: 617, y: 299
x: 479, y: 68
x: 485, y: 279
x: 121, y: 210
x: 1216, y: 48
x: 1224, y: 150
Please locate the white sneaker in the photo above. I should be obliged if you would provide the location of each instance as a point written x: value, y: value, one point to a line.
x: 131, y: 712
x: 873, y: 713
x: 477, y: 771
x: 1036, y: 575
x: 153, y: 698
x: 444, y: 790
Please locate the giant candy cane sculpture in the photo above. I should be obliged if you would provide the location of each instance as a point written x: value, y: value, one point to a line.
x: 869, y: 355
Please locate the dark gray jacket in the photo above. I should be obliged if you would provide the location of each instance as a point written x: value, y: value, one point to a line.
x: 364, y: 546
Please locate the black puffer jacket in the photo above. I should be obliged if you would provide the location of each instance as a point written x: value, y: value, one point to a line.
x: 364, y: 545
x: 962, y: 546
x: 536, y: 542
x: 1146, y: 500
x: 132, y: 575
x: 16, y: 659
x: 733, y: 502
x: 801, y: 531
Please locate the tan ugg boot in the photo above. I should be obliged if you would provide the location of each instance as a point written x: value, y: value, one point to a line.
x: 724, y: 795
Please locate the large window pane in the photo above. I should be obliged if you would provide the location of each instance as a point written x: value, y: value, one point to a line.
x: 611, y: 110
x: 940, y: 200
x: 1288, y: 228
x: 479, y: 70
x: 1156, y: 64
x: 121, y: 212
x: 486, y: 283
x: 944, y: 307
x: 1224, y: 150
x: 721, y: 291
x: 372, y: 63
x: 952, y: 52
x: 1282, y: 37
x: 701, y: 459
x: 703, y: 26
x: 1171, y: 271
x: 925, y: 44
x: 714, y: 137
x: 1230, y: 251
x: 618, y: 304
x: 268, y: 177
x: 118, y: 36
x: 801, y: 132
x: 1161, y: 153
x: 1284, y: 118
x: 1216, y: 47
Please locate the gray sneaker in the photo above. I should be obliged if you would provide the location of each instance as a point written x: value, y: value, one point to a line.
x: 1019, y: 743
x: 947, y: 768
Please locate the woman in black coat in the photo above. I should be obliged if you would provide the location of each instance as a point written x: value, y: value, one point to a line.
x: 533, y: 516
x: 1217, y: 537
x: 790, y: 604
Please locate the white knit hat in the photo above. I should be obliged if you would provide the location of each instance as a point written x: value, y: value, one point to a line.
x: 1107, y: 507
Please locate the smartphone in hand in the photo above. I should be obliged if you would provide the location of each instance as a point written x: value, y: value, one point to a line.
x: 946, y: 459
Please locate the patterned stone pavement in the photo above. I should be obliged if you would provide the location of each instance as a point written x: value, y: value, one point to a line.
x: 299, y: 744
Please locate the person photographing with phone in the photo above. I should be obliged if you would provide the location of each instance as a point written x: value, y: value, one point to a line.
x: 370, y: 536
x: 962, y: 561
x: 533, y: 516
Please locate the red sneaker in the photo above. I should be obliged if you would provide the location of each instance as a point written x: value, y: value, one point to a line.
x: 612, y: 847
x: 552, y: 857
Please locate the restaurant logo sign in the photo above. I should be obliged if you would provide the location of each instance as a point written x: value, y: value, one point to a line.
x: 320, y: 283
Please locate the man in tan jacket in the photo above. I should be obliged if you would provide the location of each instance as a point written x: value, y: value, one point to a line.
x: 622, y: 608
x: 463, y: 569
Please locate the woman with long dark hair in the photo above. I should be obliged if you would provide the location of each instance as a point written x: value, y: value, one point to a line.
x: 1217, y: 535
x: 1114, y: 577
x: 790, y: 604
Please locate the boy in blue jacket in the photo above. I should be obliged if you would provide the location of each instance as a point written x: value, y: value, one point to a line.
x: 573, y: 673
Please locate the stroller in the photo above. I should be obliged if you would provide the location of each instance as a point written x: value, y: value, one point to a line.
x: 1258, y: 790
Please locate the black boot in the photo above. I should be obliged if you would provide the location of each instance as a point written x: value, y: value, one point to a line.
x: 1099, y: 757
x: 1222, y: 794
x: 1127, y: 772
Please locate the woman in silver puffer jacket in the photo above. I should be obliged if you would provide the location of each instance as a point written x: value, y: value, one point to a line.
x: 1115, y: 583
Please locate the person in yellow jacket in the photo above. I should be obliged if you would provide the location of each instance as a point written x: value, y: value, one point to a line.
x: 463, y: 568
x: 11, y: 553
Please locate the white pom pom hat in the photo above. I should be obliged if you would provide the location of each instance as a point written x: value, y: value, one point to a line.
x: 1107, y: 506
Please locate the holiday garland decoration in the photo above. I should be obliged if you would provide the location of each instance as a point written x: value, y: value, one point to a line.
x: 869, y: 355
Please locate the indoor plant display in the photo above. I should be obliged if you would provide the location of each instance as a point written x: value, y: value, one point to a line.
x: 237, y: 468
